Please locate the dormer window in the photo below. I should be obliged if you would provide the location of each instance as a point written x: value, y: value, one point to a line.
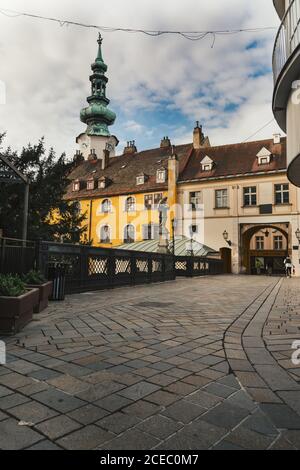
x: 102, y: 183
x: 264, y: 156
x: 141, y: 179
x: 90, y: 184
x: 161, y: 175
x: 76, y: 185
x: 207, y: 164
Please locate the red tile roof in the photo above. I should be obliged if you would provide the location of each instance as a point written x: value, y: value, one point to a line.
x: 234, y: 160
x: 123, y: 170
x: 229, y: 160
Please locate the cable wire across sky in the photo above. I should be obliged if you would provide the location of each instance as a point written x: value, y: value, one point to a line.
x: 189, y: 35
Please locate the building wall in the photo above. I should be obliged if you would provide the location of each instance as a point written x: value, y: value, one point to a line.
x: 215, y: 221
x: 118, y: 218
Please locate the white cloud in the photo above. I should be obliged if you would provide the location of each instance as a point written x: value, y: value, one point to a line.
x: 47, y: 68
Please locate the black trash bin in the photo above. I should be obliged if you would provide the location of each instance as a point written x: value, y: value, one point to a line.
x: 57, y: 274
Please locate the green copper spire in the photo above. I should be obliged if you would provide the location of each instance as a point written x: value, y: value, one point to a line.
x: 97, y: 116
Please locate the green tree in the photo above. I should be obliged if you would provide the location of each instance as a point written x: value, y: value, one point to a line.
x: 50, y: 217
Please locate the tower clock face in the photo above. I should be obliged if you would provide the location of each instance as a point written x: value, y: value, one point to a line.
x: 84, y: 145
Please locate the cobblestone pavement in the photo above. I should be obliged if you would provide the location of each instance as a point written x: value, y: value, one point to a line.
x: 192, y: 364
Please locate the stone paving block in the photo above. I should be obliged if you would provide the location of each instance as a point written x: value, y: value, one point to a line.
x: 230, y: 380
x: 204, y: 399
x: 248, y: 439
x: 45, y: 445
x: 197, y: 380
x: 5, y: 391
x: 259, y: 422
x: 195, y: 436
x: 118, y: 422
x: 160, y: 426
x: 88, y: 414
x: 263, y: 395
x: 14, y: 399
x: 69, y: 384
x: 133, y: 439
x: 87, y: 438
x: 293, y: 437
x: 58, y: 400
x: 15, y: 437
x: 226, y: 445
x: 282, y: 416
x: 100, y: 390
x: 142, y: 409
x: 15, y: 380
x: 181, y: 388
x: 32, y: 412
x: 219, y: 389
x: 162, y: 397
x: 276, y: 378
x: 139, y: 390
x: 57, y: 427
x: 251, y: 379
x: 243, y: 400
x: 184, y: 411
x: 282, y: 444
x: 225, y: 415
x: 44, y: 374
x: 113, y: 402
x: 292, y: 399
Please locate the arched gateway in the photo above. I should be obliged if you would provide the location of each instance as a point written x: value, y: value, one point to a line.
x: 264, y: 247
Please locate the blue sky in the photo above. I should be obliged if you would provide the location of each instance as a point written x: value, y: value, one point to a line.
x: 157, y: 86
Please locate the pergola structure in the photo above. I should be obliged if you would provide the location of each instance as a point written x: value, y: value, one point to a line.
x: 9, y: 174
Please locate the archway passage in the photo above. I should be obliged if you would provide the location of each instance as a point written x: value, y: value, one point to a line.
x: 264, y: 248
x: 226, y: 257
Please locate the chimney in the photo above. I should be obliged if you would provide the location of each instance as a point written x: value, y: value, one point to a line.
x: 130, y: 147
x: 92, y: 155
x: 198, y: 136
x: 276, y: 138
x: 165, y: 142
x: 105, y: 160
x: 78, y: 157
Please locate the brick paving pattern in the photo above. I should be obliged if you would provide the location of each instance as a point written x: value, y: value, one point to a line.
x: 191, y: 364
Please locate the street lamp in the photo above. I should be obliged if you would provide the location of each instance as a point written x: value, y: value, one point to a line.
x: 226, y: 238
x: 297, y: 233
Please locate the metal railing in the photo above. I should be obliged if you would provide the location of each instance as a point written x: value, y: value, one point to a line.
x: 16, y: 256
x: 287, y: 39
x: 193, y: 266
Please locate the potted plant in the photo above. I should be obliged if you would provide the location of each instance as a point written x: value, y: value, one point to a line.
x: 16, y: 304
x: 35, y: 279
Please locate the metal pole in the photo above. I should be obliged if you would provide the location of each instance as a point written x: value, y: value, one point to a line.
x: 25, y: 213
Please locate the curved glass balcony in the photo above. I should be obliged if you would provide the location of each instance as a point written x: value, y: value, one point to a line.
x: 287, y: 39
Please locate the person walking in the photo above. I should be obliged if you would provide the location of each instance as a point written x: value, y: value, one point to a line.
x: 288, y: 266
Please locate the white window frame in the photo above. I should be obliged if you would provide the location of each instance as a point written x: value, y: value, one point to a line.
x: 278, y: 242
x: 132, y: 206
x: 259, y: 243
x: 76, y: 185
x: 102, y: 240
x: 221, y: 198
x: 196, y: 200
x: 108, y: 204
x: 248, y: 192
x: 161, y: 176
x: 279, y: 189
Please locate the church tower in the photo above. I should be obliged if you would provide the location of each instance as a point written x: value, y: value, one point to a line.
x: 97, y: 142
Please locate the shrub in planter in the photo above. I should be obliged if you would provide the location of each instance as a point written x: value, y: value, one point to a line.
x: 36, y: 279
x: 16, y: 304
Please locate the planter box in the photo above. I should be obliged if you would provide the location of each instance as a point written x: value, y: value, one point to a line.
x: 44, y: 294
x: 16, y: 312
